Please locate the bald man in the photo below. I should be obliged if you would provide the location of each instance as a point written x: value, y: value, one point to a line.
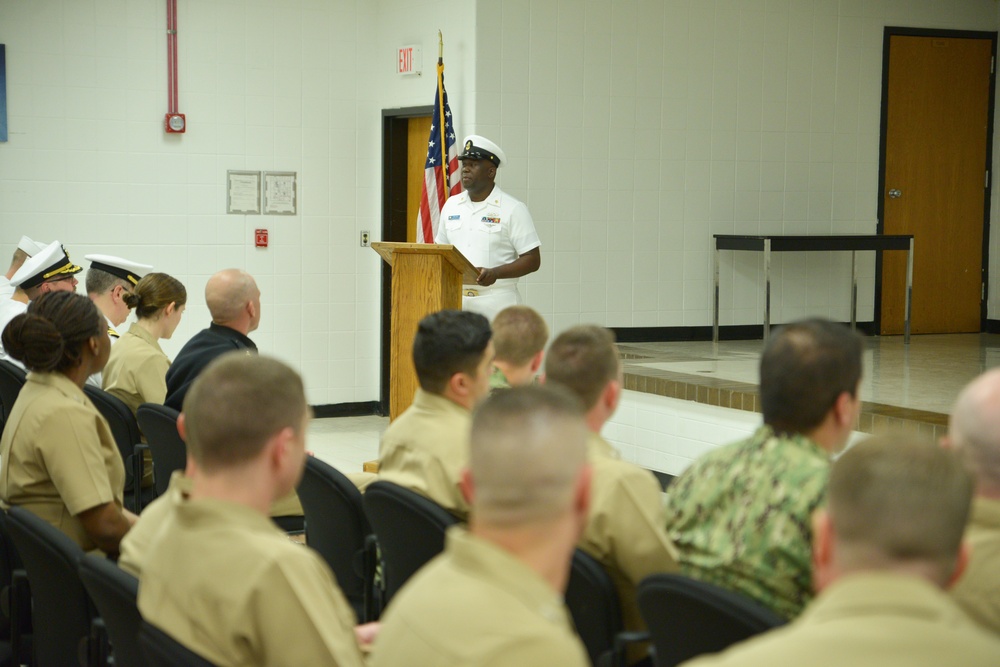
x: 233, y: 300
x: 494, y: 597
x: 974, y: 430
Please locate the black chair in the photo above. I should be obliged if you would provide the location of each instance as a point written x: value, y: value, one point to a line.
x: 337, y: 527
x: 162, y: 650
x: 62, y: 614
x: 593, y: 603
x: 12, y: 378
x: 125, y: 430
x: 159, y: 424
x: 687, y: 617
x: 410, y: 530
x: 114, y: 592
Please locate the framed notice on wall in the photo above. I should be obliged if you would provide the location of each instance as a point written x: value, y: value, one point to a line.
x: 3, y: 92
x: 279, y: 193
x: 243, y: 192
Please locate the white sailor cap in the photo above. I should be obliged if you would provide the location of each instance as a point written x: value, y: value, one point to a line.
x: 51, y: 262
x: 481, y: 148
x: 117, y: 266
x: 29, y: 247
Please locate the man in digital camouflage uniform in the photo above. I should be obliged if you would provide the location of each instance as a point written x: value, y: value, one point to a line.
x: 740, y: 515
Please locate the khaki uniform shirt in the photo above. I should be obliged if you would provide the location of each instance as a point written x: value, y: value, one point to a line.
x: 135, y: 544
x: 57, y: 455
x: 625, y: 526
x: 226, y: 583
x: 978, y: 590
x: 477, y: 605
x: 136, y: 371
x: 425, y: 449
x: 741, y: 517
x: 870, y: 620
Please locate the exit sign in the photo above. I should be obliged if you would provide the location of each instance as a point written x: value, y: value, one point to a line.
x: 408, y: 59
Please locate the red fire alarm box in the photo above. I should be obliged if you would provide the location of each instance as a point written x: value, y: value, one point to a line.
x: 260, y: 237
x: 175, y: 123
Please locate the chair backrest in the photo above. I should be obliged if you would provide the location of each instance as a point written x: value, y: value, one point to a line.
x: 593, y: 603
x: 687, y: 617
x: 12, y: 378
x: 162, y: 650
x: 410, y: 530
x: 114, y: 592
x: 336, y: 526
x: 159, y: 424
x: 61, y: 610
x: 124, y: 427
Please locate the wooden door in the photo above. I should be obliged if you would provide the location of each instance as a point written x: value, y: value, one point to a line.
x: 418, y: 130
x: 935, y: 165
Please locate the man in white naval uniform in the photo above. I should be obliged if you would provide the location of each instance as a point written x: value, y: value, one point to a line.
x: 26, y: 248
x: 48, y: 271
x: 491, y: 228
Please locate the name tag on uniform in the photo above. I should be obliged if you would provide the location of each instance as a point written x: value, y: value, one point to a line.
x: 491, y: 220
x: 454, y: 217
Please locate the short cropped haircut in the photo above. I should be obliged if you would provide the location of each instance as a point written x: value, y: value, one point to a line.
x: 153, y: 293
x: 583, y: 359
x: 527, y: 447
x: 974, y: 427
x: 102, y: 282
x: 51, y: 334
x: 900, y: 497
x: 805, y: 366
x: 236, y: 405
x: 519, y: 333
x: 449, y: 342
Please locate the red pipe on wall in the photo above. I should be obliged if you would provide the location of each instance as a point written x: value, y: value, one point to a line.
x: 174, y: 121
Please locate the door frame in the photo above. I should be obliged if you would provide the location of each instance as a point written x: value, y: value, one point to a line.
x: 394, y: 154
x: 888, y: 32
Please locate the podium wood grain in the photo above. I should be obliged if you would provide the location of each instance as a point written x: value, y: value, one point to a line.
x: 426, y: 278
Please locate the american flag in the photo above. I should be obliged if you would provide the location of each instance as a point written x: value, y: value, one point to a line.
x: 436, y: 172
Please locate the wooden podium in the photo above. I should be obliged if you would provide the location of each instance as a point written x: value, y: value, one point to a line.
x: 426, y: 278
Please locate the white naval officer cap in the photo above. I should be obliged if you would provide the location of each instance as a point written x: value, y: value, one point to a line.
x: 481, y: 148
x: 30, y: 247
x: 51, y: 262
x: 118, y: 266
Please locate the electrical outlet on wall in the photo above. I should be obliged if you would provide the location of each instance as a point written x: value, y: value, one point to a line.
x: 366, y: 239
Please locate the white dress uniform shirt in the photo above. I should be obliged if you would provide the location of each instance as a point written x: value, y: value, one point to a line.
x: 490, y: 233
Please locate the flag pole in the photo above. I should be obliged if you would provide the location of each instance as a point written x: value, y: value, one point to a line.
x: 441, y: 119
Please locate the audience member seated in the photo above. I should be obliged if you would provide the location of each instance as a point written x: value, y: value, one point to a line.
x: 218, y: 576
x: 25, y: 248
x: 48, y: 271
x: 494, y: 597
x: 109, y: 279
x: 974, y: 431
x: 740, y: 515
x: 59, y: 459
x: 137, y: 370
x: 625, y: 529
x: 885, y: 549
x: 519, y: 337
x: 233, y: 301
x: 425, y: 448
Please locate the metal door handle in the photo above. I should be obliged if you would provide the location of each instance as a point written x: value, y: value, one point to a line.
x: 895, y: 194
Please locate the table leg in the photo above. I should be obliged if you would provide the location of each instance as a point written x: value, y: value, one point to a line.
x: 854, y: 290
x: 715, y: 295
x: 767, y: 288
x: 909, y: 293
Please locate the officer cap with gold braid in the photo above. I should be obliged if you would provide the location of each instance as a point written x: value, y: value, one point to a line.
x: 481, y: 148
x: 122, y: 268
x: 51, y: 262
